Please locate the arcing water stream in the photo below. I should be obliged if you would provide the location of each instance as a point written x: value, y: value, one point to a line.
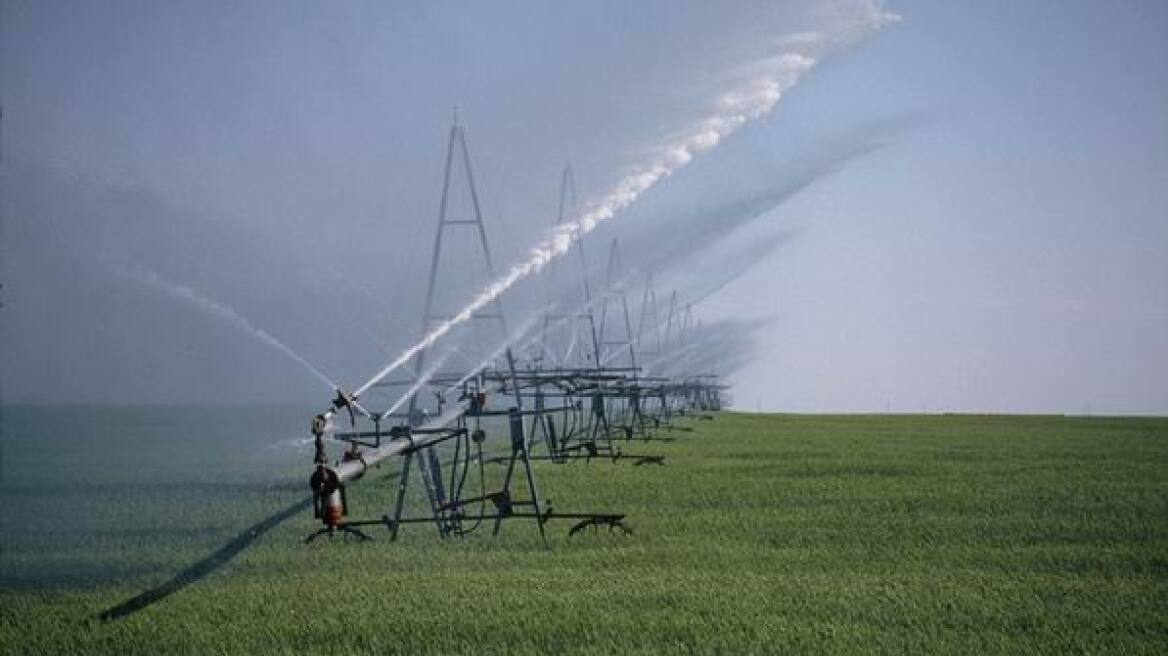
x: 750, y: 101
x: 220, y: 310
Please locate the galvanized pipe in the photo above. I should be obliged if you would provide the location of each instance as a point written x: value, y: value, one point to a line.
x: 348, y: 470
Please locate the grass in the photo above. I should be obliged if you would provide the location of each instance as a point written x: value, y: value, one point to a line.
x: 812, y: 534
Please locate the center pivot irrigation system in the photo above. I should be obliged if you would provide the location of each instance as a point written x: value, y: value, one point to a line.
x: 578, y: 394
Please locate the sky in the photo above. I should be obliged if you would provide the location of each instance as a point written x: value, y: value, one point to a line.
x: 958, y: 207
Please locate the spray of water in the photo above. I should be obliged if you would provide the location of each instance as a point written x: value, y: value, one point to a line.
x: 571, y: 350
x: 750, y: 101
x: 494, y: 355
x: 650, y: 367
x: 476, y: 367
x: 418, y: 385
x: 569, y: 314
x: 220, y: 310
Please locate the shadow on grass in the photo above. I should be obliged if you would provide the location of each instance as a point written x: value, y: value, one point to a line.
x: 204, y: 566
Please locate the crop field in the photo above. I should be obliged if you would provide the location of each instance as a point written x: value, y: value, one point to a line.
x: 764, y: 533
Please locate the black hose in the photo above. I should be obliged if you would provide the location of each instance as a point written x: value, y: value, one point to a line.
x: 482, y: 492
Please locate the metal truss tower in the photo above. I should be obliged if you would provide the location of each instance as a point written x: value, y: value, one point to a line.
x: 579, y: 323
x: 457, y: 154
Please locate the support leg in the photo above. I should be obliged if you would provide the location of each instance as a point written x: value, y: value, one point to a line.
x: 506, y: 490
x: 402, y: 484
x: 534, y: 497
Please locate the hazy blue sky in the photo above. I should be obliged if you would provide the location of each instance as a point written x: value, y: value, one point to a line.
x: 966, y: 210
x: 1010, y: 255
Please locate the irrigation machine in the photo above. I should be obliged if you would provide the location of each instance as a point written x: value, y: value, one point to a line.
x: 573, y: 391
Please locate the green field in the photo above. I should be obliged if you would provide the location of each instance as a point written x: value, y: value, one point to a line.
x: 765, y: 533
